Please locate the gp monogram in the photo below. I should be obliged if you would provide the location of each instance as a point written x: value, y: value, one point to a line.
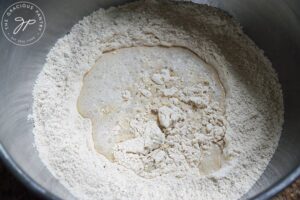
x: 23, y: 23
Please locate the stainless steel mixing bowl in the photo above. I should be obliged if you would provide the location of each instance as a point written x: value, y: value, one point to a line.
x: 273, y: 25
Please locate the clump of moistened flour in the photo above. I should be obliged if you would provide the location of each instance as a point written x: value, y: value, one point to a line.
x: 157, y: 100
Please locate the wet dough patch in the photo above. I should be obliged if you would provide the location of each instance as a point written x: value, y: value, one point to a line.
x: 156, y: 110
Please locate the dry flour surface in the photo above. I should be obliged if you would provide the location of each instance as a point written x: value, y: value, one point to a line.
x: 157, y: 100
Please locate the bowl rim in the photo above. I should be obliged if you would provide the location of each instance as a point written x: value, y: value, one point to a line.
x: 40, y: 191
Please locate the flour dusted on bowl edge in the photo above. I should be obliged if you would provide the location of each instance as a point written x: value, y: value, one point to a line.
x: 157, y: 100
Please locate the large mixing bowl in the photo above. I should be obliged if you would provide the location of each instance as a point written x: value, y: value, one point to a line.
x: 273, y: 25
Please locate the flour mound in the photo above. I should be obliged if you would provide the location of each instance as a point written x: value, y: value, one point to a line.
x: 157, y: 100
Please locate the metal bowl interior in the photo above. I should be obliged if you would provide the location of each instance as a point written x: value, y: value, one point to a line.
x: 273, y: 25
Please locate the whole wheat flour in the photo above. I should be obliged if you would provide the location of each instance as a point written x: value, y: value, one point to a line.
x: 157, y: 100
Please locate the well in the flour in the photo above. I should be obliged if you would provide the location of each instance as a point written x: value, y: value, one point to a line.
x: 156, y: 110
